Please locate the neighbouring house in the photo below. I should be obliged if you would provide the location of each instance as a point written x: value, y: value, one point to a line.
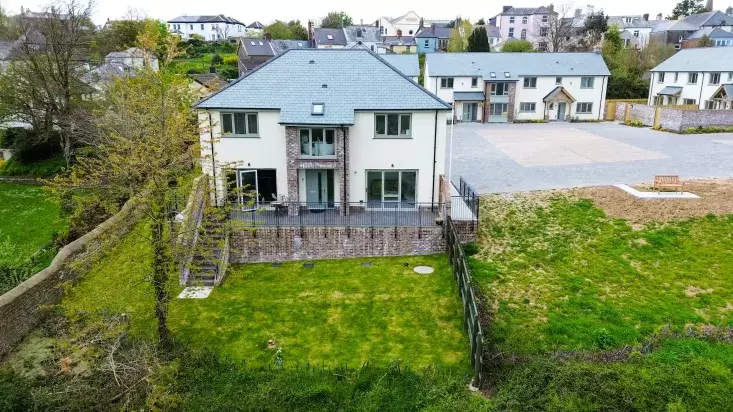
x: 219, y: 27
x: 635, y: 29
x: 367, y: 36
x: 693, y: 26
x: 432, y: 39
x: 253, y: 52
x: 701, y: 77
x: 407, y: 64
x: 526, y: 23
x: 254, y: 28
x: 508, y: 87
x: 336, y: 130
x: 205, y: 84
x: 408, y: 24
x: 133, y: 58
x: 329, y: 38
x: 718, y: 36
x: 98, y: 77
x: 399, y: 44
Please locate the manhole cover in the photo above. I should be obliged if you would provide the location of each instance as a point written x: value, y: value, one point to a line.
x: 308, y: 265
x: 277, y: 264
x: 366, y: 264
x: 424, y: 270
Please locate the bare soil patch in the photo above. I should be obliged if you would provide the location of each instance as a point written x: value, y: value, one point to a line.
x: 716, y: 197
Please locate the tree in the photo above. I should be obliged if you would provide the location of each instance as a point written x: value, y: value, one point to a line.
x: 596, y: 24
x: 458, y: 41
x: 481, y: 22
x: 336, y: 20
x: 146, y: 141
x: 558, y: 29
x: 517, y: 46
x: 297, y: 31
x: 478, y: 41
x: 118, y: 35
x: 705, y: 41
x: 612, y: 46
x: 280, y: 31
x: 42, y: 85
x: 687, y: 7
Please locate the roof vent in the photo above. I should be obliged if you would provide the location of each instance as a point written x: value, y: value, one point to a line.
x: 324, y: 86
x: 311, y: 62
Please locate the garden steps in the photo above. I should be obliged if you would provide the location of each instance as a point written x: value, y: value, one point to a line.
x: 211, y: 258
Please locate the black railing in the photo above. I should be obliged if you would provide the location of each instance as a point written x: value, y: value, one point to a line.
x: 364, y: 214
x: 469, y: 195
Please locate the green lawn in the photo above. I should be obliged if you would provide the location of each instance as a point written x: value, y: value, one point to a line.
x: 337, y: 312
x: 28, y: 220
x: 559, y: 274
x: 202, y: 63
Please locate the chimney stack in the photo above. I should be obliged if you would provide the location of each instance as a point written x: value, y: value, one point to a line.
x: 646, y: 16
x: 729, y: 11
x: 506, y: 8
x: 659, y: 16
x: 310, y: 30
x: 422, y: 23
x: 709, y: 5
x: 399, y: 33
x: 268, y: 36
x: 589, y: 9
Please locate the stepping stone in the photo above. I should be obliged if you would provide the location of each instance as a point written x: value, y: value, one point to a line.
x: 366, y: 264
x: 308, y: 265
x: 196, y: 292
x: 424, y: 270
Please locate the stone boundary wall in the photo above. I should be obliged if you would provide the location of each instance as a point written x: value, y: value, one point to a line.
x: 23, y: 307
x: 273, y: 244
x: 695, y: 118
x: 644, y: 113
x: 676, y: 119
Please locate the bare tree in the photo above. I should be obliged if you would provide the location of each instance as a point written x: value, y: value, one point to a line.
x: 42, y: 85
x: 557, y: 31
x: 223, y: 33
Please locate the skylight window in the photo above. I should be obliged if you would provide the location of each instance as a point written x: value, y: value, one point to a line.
x: 493, y: 75
x: 329, y: 37
x: 253, y: 43
x: 507, y: 75
x: 300, y: 44
x: 318, y: 109
x: 261, y: 44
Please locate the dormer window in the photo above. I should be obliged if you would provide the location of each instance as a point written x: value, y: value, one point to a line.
x: 261, y: 44
x: 358, y: 32
x: 318, y: 109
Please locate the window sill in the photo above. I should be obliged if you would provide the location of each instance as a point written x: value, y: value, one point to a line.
x: 306, y: 157
x: 529, y: 87
x: 393, y: 137
x: 241, y: 136
x: 587, y: 88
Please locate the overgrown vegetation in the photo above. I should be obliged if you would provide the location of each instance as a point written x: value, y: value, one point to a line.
x: 707, y: 129
x: 634, y: 123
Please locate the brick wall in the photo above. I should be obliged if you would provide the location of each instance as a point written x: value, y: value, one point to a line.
x: 512, y: 98
x: 23, y: 307
x: 268, y: 244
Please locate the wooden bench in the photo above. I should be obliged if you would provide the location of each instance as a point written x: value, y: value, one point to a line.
x: 668, y: 181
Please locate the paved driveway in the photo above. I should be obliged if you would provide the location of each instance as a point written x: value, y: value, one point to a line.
x: 518, y: 157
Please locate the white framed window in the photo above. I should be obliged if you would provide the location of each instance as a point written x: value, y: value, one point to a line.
x: 545, y: 18
x: 530, y: 82
x: 524, y: 20
x: 636, y: 33
x: 558, y: 80
x: 499, y: 89
x: 202, y: 26
x: 584, y: 107
x: 427, y: 43
x: 511, y: 32
x: 317, y: 142
x: 523, y: 34
x: 190, y: 27
x: 714, y: 78
x: 689, y: 101
x: 544, y: 31
x: 527, y: 107
x: 587, y: 82
x: 692, y: 78
x: 627, y: 19
x: 446, y: 83
x: 511, y: 19
x: 709, y: 104
x: 676, y: 76
x: 474, y: 81
x: 660, y: 78
x: 239, y: 124
x: 730, y: 76
x: 393, y: 125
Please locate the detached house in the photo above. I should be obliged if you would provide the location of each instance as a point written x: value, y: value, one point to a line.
x: 217, y: 27
x: 526, y: 23
x: 253, y: 52
x: 701, y: 77
x: 508, y: 87
x: 333, y: 129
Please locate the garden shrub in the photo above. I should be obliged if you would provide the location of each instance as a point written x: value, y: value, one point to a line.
x: 634, y: 123
x: 216, y: 59
x: 42, y: 168
x: 231, y: 60
x: 29, y: 145
x: 470, y: 248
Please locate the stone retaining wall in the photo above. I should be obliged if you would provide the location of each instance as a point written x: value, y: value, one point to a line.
x: 676, y: 119
x: 23, y: 307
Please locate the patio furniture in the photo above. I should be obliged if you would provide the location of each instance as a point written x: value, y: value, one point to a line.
x: 280, y: 206
x: 668, y: 181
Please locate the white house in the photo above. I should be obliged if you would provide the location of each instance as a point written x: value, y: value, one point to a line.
x: 217, y: 27
x: 408, y: 24
x: 701, y: 76
x: 309, y: 127
x: 526, y: 23
x: 508, y: 87
x: 133, y: 58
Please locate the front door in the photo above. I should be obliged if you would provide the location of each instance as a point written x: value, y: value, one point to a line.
x: 319, y: 188
x: 561, y: 111
x: 469, y: 112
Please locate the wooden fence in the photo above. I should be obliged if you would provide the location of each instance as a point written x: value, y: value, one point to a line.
x: 462, y: 274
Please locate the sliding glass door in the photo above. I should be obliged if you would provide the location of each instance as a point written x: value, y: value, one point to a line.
x: 391, y: 189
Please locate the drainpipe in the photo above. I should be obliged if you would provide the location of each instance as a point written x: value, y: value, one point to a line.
x: 702, y: 82
x: 213, y: 163
x: 600, y: 102
x: 435, y: 154
x: 343, y: 200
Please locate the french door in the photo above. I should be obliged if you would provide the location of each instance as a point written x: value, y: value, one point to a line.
x: 255, y: 186
x: 391, y: 189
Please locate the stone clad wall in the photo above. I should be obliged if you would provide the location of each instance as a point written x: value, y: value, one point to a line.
x: 24, y: 306
x: 695, y: 118
x: 644, y: 113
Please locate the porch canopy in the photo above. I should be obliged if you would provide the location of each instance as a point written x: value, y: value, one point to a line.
x: 722, y: 99
x: 724, y: 92
x: 468, y: 96
x: 558, y: 93
x: 670, y: 91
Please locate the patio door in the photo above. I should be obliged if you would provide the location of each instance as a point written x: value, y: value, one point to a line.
x: 391, y: 189
x: 248, y: 188
x: 255, y: 186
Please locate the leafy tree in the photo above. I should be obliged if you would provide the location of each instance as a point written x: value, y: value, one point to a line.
x: 478, y: 41
x: 458, y: 41
x: 216, y: 59
x: 705, y: 41
x: 279, y: 30
x: 517, y: 46
x: 481, y: 22
x: 596, y: 24
x: 612, y: 46
x: 559, y: 28
x: 119, y: 35
x: 686, y: 8
x: 336, y: 20
x: 298, y: 32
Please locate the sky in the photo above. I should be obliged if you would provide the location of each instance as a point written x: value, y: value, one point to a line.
x: 366, y: 11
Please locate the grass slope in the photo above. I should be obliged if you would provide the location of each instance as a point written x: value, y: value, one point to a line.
x: 29, y: 220
x: 561, y: 275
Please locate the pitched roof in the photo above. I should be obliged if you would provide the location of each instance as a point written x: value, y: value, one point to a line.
x: 219, y: 18
x: 516, y: 64
x: 525, y: 11
x: 6, y: 47
x: 255, y: 25
x: 712, y: 32
x: 434, y: 32
x: 710, y: 18
x: 670, y: 91
x: 408, y: 64
x: 281, y: 46
x: 557, y: 90
x: 256, y: 47
x: 354, y: 80
x: 398, y: 18
x: 333, y: 37
x: 703, y: 59
x: 637, y: 22
x: 368, y: 34
x: 210, y: 80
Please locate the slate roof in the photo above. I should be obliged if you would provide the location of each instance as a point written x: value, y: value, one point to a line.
x: 255, y: 25
x: 209, y: 80
x: 6, y: 47
x: 670, y: 91
x: 703, y: 59
x: 257, y: 47
x: 712, y: 32
x: 398, y: 41
x: 219, y: 18
x: 434, y: 32
x: 517, y: 64
x: 557, y: 90
x: 338, y: 38
x: 354, y: 79
x: 468, y: 96
x: 695, y: 22
x: 281, y: 46
x: 369, y: 34
x: 525, y: 11
x: 406, y: 63
x: 728, y: 88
